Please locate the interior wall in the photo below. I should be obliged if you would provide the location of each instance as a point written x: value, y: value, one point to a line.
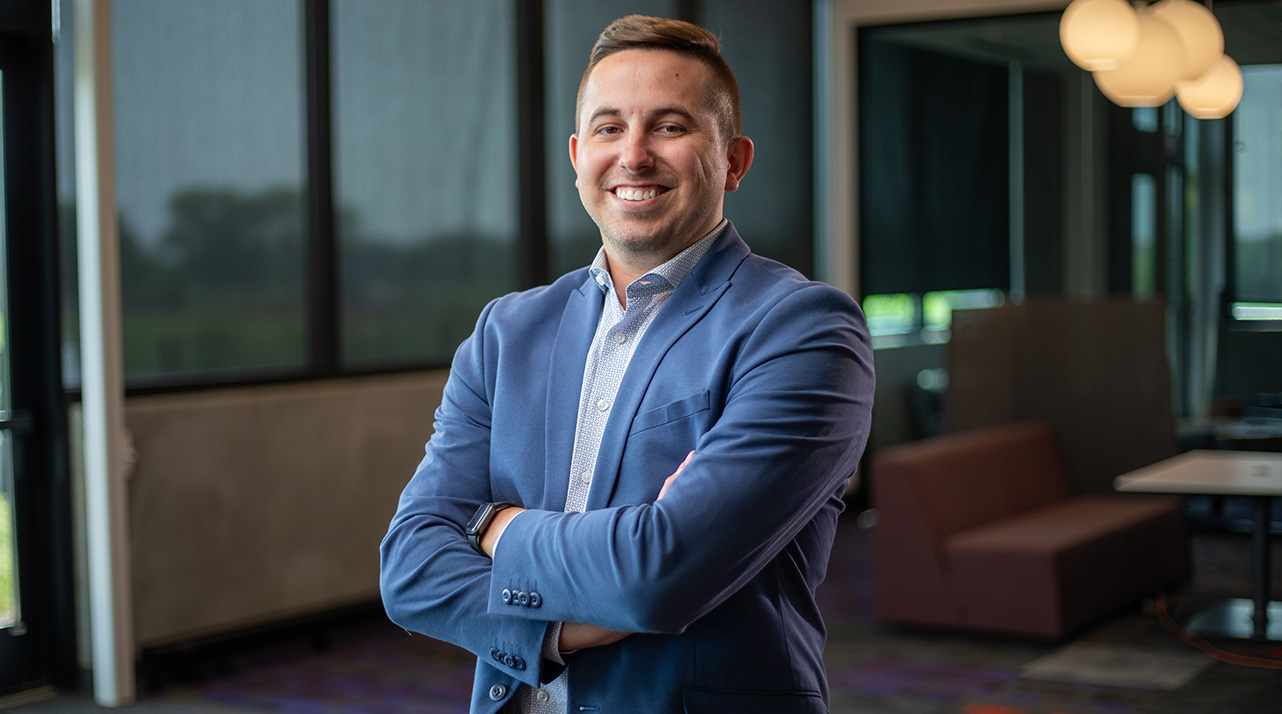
x: 252, y: 505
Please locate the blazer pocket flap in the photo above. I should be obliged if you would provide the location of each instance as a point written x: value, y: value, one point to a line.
x: 672, y: 411
x: 706, y: 700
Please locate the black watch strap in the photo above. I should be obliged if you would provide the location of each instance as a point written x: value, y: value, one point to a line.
x: 481, y: 521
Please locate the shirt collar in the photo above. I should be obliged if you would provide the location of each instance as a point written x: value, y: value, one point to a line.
x: 673, y: 272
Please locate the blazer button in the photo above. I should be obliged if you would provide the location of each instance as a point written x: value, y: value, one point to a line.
x: 524, y: 598
x: 506, y: 595
x: 497, y: 692
x: 518, y: 663
x: 509, y: 660
x: 496, y: 655
x: 535, y: 599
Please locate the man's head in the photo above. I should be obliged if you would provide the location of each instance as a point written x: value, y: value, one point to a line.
x: 657, y: 142
x: 639, y: 32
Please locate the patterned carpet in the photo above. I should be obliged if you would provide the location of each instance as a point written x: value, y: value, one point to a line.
x: 376, y: 668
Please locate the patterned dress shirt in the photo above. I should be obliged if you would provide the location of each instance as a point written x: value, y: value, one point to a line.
x: 617, y: 335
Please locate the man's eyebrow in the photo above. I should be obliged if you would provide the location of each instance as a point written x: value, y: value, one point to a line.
x: 679, y: 111
x: 604, y: 112
x: 664, y: 111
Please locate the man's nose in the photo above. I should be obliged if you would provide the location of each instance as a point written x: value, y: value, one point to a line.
x: 635, y: 153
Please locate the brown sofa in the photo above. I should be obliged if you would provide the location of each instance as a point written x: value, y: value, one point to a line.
x: 979, y: 531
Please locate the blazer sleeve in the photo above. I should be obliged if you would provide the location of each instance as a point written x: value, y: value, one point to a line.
x: 431, y: 580
x: 792, y: 428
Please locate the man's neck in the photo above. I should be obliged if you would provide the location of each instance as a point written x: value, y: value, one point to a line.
x: 625, y: 269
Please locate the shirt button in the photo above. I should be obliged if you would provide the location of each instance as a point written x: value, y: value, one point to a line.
x: 603, y: 404
x: 620, y: 338
x: 586, y: 477
x: 542, y: 695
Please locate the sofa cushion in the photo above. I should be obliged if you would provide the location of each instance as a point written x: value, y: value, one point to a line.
x: 1053, y: 568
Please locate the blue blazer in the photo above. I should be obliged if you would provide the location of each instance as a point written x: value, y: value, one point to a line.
x: 767, y: 376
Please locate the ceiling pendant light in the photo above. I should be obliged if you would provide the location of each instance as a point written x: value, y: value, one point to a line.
x: 1215, y: 94
x: 1148, y: 78
x: 1199, y: 33
x: 1099, y: 34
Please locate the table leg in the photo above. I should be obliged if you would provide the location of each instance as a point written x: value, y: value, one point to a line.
x: 1260, y: 584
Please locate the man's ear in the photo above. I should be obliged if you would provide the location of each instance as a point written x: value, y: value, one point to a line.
x: 740, y: 156
x: 574, y: 156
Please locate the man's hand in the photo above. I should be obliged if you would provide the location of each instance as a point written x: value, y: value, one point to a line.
x: 574, y: 635
x: 490, y: 538
x: 668, y: 481
x: 578, y: 636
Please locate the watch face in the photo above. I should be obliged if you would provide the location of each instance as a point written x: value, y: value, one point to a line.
x: 481, y: 516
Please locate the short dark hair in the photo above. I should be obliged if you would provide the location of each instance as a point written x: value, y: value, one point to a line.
x: 639, y: 32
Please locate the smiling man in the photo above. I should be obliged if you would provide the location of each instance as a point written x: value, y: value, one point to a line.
x: 634, y: 479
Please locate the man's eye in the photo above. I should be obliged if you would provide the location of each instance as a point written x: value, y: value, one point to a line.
x: 671, y: 129
x: 608, y: 130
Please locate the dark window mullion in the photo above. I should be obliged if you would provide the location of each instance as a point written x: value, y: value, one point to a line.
x: 689, y: 10
x: 532, y: 250
x: 323, y: 286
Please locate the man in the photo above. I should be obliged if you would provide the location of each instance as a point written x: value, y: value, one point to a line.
x: 649, y: 454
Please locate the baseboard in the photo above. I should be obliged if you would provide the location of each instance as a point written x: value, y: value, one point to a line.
x: 201, y: 658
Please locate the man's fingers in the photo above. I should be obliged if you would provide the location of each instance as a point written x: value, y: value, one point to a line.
x: 668, y: 481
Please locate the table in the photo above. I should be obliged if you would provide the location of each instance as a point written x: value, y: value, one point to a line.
x: 1255, y: 474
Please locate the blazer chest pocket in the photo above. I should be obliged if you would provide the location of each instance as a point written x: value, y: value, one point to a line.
x: 672, y: 411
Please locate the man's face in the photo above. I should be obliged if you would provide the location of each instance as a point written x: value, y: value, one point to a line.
x: 652, y: 167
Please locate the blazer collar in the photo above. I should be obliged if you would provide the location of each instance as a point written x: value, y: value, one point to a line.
x: 701, y: 289
x: 696, y: 295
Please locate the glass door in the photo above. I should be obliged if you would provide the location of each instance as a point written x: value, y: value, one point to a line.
x: 10, y: 605
x: 14, y: 650
x: 37, y: 613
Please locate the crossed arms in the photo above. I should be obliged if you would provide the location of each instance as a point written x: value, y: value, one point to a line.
x: 790, y: 402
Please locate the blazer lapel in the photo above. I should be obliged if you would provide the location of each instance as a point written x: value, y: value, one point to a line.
x: 565, y: 384
x: 689, y: 303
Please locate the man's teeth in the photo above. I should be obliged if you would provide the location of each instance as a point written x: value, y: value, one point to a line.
x: 636, y: 194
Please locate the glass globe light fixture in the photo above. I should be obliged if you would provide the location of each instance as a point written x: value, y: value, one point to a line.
x: 1148, y: 78
x: 1099, y: 34
x: 1199, y: 33
x: 1215, y: 94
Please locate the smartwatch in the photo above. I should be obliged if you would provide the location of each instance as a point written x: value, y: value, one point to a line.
x: 481, y: 521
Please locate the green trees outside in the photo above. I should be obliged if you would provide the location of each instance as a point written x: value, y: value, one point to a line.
x: 224, y: 287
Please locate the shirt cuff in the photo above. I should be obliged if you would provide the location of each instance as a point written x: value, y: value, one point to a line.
x: 551, y: 651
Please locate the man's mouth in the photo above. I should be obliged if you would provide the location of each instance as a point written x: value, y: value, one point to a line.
x: 628, y: 193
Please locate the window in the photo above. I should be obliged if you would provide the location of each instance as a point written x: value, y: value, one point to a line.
x: 425, y: 192
x: 1144, y: 208
x: 313, y: 188
x: 936, y: 131
x: 1257, y: 197
x: 210, y: 185
x: 904, y: 318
